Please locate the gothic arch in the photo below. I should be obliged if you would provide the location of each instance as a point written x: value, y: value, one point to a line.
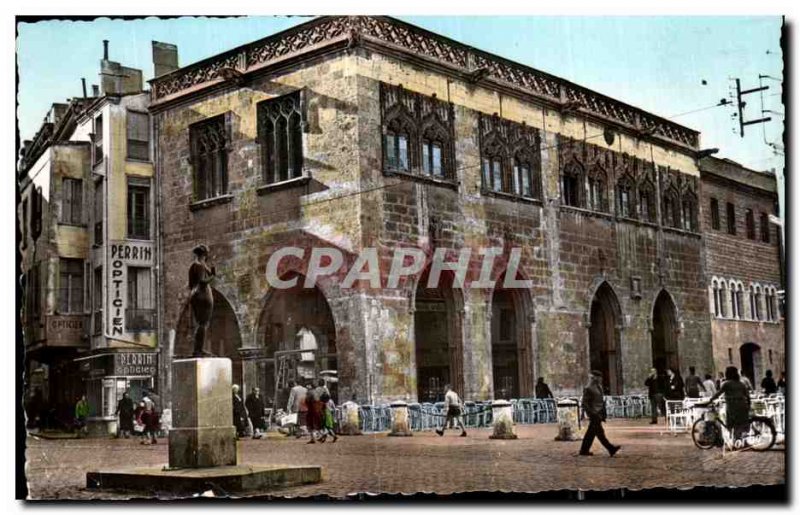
x: 605, y: 322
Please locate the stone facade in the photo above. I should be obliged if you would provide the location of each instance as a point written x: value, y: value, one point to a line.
x: 752, y: 337
x: 609, y: 289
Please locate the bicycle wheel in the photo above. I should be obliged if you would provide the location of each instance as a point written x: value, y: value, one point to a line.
x: 704, y: 434
x: 762, y: 434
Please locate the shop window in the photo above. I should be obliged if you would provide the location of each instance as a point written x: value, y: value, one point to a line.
x: 281, y: 123
x: 139, y: 313
x: 71, y: 201
x: 138, y: 208
x: 70, y: 286
x: 138, y: 136
x: 209, y: 151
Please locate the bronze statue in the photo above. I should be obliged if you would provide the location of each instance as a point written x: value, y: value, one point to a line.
x: 202, y: 298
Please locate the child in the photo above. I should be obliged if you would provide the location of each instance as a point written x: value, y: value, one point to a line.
x: 328, y: 410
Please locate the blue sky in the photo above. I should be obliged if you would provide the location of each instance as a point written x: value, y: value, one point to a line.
x: 656, y: 63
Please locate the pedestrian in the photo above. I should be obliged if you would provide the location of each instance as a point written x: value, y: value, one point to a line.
x: 782, y: 384
x: 720, y: 380
x: 454, y: 409
x: 595, y: 408
x: 315, y: 409
x: 255, y: 407
x: 655, y: 392
x: 125, y: 413
x: 768, y: 384
x: 542, y: 390
x: 709, y: 385
x: 35, y: 409
x: 328, y: 411
x: 81, y: 414
x: 150, y: 420
x: 297, y: 394
x: 694, y: 385
x: 744, y: 380
x: 737, y: 401
x: 239, y: 413
x: 675, y: 385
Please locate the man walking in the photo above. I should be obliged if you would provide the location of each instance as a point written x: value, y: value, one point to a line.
x: 709, y: 385
x: 297, y: 405
x: 81, y: 414
x: 594, y: 406
x: 453, y: 405
x: 255, y: 408
x: 655, y: 394
x: 693, y: 385
x: 239, y: 413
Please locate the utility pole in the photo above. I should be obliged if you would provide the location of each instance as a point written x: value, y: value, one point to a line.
x: 740, y: 105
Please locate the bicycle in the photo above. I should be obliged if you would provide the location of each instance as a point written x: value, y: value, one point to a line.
x: 709, y: 431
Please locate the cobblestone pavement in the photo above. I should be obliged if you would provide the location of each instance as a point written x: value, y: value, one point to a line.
x: 650, y: 457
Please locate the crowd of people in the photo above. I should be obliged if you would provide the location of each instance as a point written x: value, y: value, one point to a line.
x: 313, y: 411
x: 670, y: 386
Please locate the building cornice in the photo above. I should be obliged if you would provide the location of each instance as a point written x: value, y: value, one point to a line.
x: 394, y: 36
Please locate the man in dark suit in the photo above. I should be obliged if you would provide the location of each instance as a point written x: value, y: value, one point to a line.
x: 595, y: 409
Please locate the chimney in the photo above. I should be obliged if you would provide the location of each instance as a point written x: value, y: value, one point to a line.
x: 105, y: 50
x: 165, y: 58
x: 95, y: 90
x: 83, y: 84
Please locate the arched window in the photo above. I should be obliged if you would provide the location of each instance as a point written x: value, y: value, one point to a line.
x: 280, y: 122
x: 399, y: 132
x: 625, y: 198
x: 647, y: 202
x: 723, y: 299
x: 598, y: 192
x: 734, y: 305
x: 740, y: 301
x: 209, y: 154
x: 752, y: 295
x: 493, y: 160
x: 759, y: 315
x: 435, y: 141
x: 572, y: 184
x: 715, y: 296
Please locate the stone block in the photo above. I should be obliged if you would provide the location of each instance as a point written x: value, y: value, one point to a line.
x: 202, y: 392
x: 202, y: 447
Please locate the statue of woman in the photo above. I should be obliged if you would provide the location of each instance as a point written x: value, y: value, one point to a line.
x: 202, y: 298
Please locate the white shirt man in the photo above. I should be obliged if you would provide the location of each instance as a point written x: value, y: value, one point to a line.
x: 453, y: 404
x: 710, y: 386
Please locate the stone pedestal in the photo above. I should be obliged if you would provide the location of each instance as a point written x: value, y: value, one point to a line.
x: 503, y: 420
x: 401, y: 425
x: 350, y: 425
x: 567, y: 415
x: 203, y: 434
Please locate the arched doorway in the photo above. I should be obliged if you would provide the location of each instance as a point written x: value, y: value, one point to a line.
x: 437, y: 336
x: 750, y: 355
x: 665, y: 330
x: 604, y: 337
x: 512, y: 371
x: 294, y: 319
x: 224, y: 338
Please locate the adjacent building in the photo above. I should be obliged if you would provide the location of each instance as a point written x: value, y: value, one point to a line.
x: 743, y: 268
x: 89, y: 249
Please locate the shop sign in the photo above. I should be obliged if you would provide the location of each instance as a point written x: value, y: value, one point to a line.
x: 135, y: 364
x: 66, y: 330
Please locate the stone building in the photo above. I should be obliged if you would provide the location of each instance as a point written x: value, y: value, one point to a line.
x: 88, y: 249
x: 743, y: 268
x: 352, y: 133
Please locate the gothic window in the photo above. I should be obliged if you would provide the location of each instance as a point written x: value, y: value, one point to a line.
x: 509, y: 162
x: 625, y: 198
x: 750, y: 222
x: 571, y: 183
x: 734, y: 307
x: 715, y: 293
x: 417, y: 134
x: 598, y: 192
x: 209, y: 150
x: 672, y: 211
x: 647, y: 203
x: 280, y: 124
x: 492, y: 161
x: 740, y: 300
x: 757, y: 303
x: 525, y: 179
x: 722, y: 300
x: 752, y: 295
x: 689, y: 214
x: 714, y: 208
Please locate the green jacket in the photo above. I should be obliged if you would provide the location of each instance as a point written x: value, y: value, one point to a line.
x: 82, y: 409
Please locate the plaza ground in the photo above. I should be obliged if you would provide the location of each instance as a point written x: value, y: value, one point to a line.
x: 650, y: 458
